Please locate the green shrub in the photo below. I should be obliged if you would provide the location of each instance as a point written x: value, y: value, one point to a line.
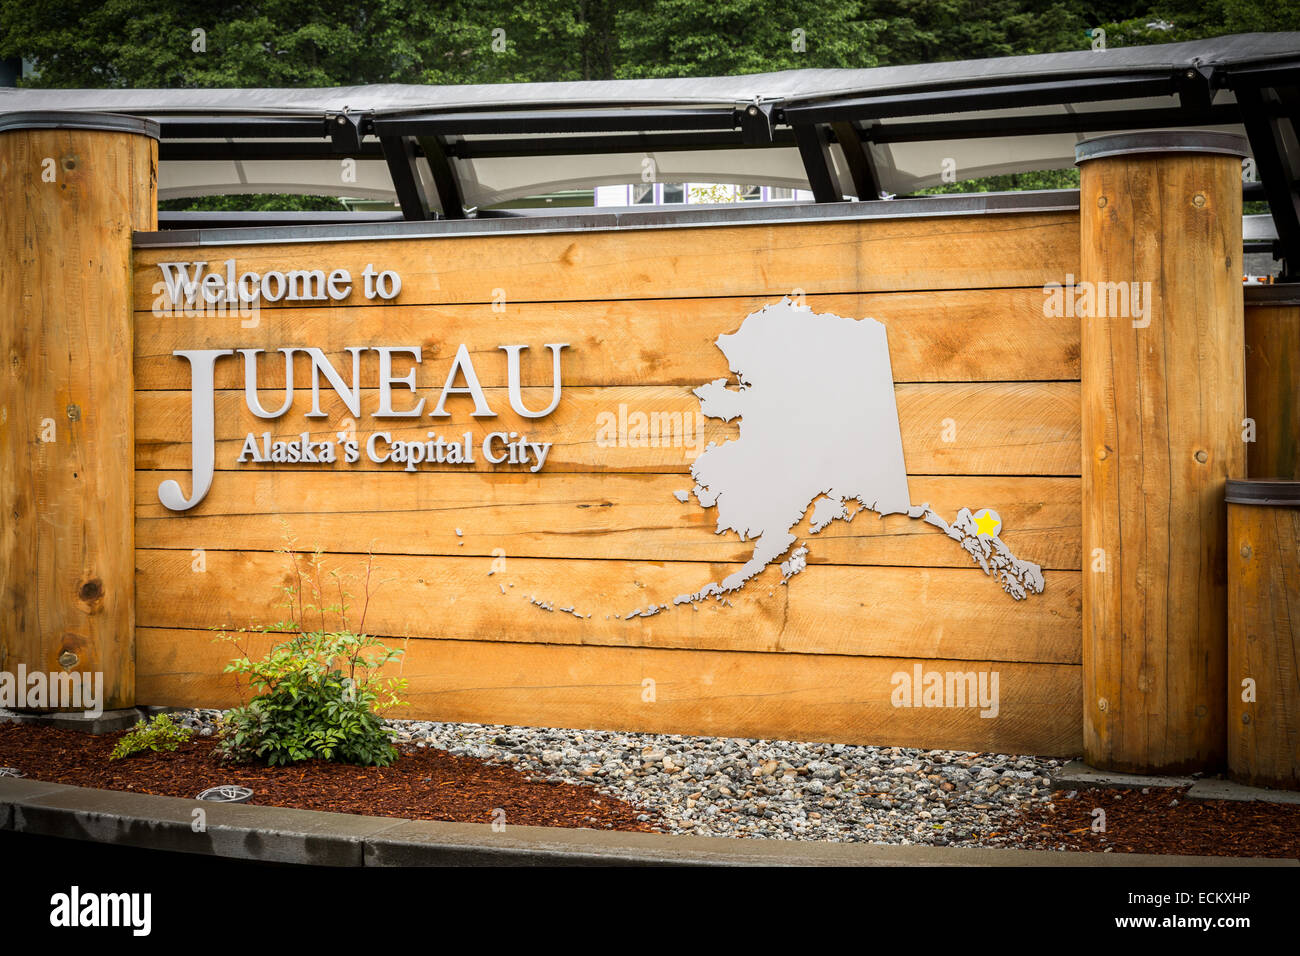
x: 161, y: 733
x: 318, y: 694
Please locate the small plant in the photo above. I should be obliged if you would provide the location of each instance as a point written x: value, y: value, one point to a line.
x: 318, y: 694
x: 161, y: 733
x: 715, y: 193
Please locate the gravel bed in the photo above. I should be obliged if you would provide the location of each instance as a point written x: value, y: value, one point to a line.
x: 776, y: 789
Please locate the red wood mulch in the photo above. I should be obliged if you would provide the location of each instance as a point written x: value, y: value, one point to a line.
x: 1153, y: 822
x: 425, y: 784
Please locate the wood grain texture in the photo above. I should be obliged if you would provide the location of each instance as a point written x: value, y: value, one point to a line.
x: 997, y: 428
x: 960, y: 336
x: 772, y: 696
x: 955, y: 252
x: 1264, y: 645
x: 989, y: 411
x: 1273, y: 390
x: 1162, y: 412
x: 66, y: 399
x: 915, y: 612
x: 582, y: 516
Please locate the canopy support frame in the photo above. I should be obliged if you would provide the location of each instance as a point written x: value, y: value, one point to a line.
x: 400, y: 153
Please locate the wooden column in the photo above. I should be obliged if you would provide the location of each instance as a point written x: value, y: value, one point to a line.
x: 1264, y: 633
x: 1273, y: 380
x: 1163, y: 404
x: 74, y: 187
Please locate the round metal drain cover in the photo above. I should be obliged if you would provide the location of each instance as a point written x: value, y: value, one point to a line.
x: 226, y: 793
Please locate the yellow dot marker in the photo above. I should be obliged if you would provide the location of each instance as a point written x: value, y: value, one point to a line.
x: 988, y: 521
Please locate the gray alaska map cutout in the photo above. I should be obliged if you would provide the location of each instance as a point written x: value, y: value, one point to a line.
x: 818, y: 429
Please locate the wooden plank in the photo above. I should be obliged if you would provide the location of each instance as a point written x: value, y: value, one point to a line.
x: 960, y: 336
x: 561, y: 515
x: 1163, y: 403
x: 66, y: 399
x: 955, y: 252
x: 1273, y: 390
x: 996, y: 428
x: 772, y: 696
x: 832, y: 609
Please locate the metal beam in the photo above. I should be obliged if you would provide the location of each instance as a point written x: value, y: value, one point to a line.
x: 1275, y: 172
x: 400, y: 153
x: 1001, y: 96
x: 857, y: 157
x: 555, y: 121
x: 904, y: 132
x: 610, y: 144
x: 264, y: 149
x: 1092, y: 122
x: 444, y: 177
x: 815, y: 153
x: 244, y: 127
x: 1266, y: 74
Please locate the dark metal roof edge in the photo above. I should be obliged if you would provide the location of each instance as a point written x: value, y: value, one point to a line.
x: 966, y: 204
x: 1162, y: 141
x: 1280, y: 492
x: 1280, y: 294
x: 197, y: 220
x: 79, y: 119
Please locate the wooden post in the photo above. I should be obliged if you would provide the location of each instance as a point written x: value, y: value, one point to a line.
x: 74, y: 185
x: 1273, y: 380
x: 1163, y: 405
x: 1264, y: 633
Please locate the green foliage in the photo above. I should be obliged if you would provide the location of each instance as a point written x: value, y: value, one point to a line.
x: 161, y: 733
x: 270, y: 43
x: 255, y: 202
x: 1172, y: 21
x: 1038, y: 179
x: 308, y: 707
x: 714, y: 193
x: 318, y: 694
x: 724, y: 37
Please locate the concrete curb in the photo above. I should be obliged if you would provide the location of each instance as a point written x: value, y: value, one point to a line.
x: 1077, y: 775
x: 1217, y: 788
x: 279, y: 835
x: 109, y: 722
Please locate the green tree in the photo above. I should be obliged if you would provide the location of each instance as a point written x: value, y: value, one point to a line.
x: 274, y: 43
x: 1176, y: 20
x: 690, y: 38
x: 270, y: 43
x: 921, y: 31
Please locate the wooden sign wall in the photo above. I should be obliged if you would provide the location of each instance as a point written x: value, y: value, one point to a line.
x: 511, y: 588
